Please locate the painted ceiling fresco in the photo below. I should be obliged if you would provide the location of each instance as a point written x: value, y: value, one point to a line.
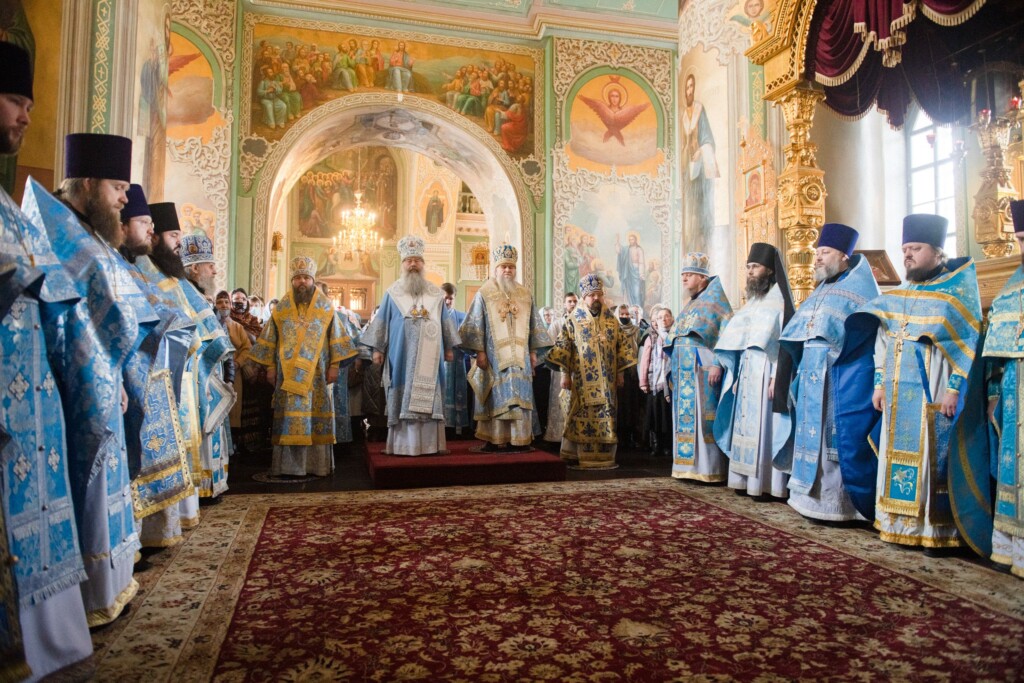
x: 667, y: 10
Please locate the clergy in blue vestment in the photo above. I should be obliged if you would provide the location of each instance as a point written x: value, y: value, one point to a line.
x: 694, y: 376
x: 164, y: 269
x: 346, y: 402
x: 42, y: 617
x: 1004, y: 355
x: 456, y: 387
x: 756, y: 376
x: 157, y: 452
x: 813, y: 338
x: 89, y: 349
x: 215, y: 396
x: 411, y: 338
x: 504, y: 330
x: 922, y: 338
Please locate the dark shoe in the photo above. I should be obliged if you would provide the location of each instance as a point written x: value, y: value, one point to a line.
x: 492, y: 448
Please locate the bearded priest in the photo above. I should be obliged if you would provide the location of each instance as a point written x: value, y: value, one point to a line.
x: 301, y: 347
x: 503, y: 328
x: 413, y: 338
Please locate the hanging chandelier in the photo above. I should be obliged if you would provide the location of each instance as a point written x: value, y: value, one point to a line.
x: 358, y: 225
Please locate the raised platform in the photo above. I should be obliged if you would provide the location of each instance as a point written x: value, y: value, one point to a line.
x: 461, y: 467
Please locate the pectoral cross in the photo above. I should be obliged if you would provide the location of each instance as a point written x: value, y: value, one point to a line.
x: 901, y: 336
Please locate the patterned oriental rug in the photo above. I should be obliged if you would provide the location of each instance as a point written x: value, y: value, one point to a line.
x: 624, y: 580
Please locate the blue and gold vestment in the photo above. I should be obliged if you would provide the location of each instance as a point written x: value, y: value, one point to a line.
x: 1004, y: 356
x: 88, y: 348
x: 37, y: 513
x: 928, y: 329
x: 697, y: 327
x: 593, y: 350
x: 507, y: 327
x: 158, y: 457
x: 814, y: 338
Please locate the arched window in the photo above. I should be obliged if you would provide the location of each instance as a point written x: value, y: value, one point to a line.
x: 932, y: 182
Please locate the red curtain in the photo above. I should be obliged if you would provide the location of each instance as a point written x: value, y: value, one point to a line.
x: 874, y: 51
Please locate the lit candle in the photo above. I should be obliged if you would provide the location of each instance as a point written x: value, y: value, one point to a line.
x: 1014, y: 103
x: 985, y: 116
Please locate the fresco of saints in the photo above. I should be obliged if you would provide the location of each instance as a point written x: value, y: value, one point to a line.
x: 400, y: 70
x: 699, y: 171
x: 632, y: 269
x: 434, y: 217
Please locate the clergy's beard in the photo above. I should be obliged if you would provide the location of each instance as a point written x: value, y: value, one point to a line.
x: 169, y: 263
x: 919, y: 274
x: 106, y: 222
x: 414, y: 283
x: 757, y: 287
x: 302, y: 295
x: 827, y: 271
x: 595, y: 308
x: 506, y: 285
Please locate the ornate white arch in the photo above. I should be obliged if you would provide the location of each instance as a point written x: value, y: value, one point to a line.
x: 420, y: 125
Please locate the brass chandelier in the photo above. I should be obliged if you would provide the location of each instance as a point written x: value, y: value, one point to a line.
x: 358, y: 231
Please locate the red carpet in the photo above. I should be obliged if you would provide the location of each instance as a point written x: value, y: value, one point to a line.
x: 461, y: 466
x: 637, y: 582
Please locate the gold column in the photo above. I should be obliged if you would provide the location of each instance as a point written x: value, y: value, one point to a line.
x: 801, y: 189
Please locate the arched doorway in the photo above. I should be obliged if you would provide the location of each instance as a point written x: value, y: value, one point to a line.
x: 422, y: 126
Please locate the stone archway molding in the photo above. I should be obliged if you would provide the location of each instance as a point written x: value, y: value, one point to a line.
x: 413, y: 123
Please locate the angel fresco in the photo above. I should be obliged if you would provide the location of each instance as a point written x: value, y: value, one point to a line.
x: 614, y: 113
x: 613, y: 122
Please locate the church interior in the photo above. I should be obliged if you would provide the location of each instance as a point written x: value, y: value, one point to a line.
x: 573, y: 130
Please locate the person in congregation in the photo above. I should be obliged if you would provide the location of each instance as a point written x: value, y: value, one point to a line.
x: 504, y: 329
x: 922, y: 338
x: 157, y: 455
x: 255, y: 413
x: 558, y: 398
x: 90, y: 347
x: 630, y: 421
x: 241, y: 370
x: 592, y: 353
x: 301, y: 346
x: 43, y: 626
x: 340, y: 395
x: 694, y: 376
x: 813, y: 339
x: 456, y: 385
x: 756, y: 378
x: 1004, y: 355
x: 653, y: 378
x: 216, y: 395
x: 412, y: 338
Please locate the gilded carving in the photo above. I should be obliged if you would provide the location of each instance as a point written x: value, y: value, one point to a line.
x: 801, y: 190
x: 993, y: 226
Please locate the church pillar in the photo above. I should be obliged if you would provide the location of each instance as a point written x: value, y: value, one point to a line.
x: 801, y: 189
